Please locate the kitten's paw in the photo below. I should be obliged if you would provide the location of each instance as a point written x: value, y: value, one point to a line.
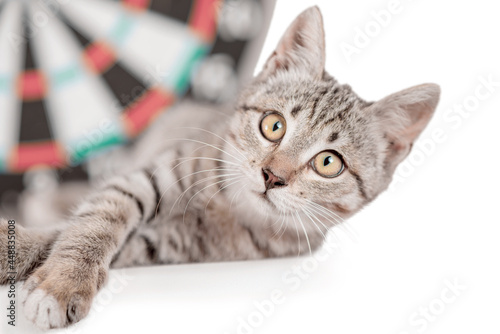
x: 51, y: 300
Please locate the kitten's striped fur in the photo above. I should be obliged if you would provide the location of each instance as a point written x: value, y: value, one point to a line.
x: 192, y: 189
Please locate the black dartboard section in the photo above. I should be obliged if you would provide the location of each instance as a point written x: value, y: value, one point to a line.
x: 79, y: 77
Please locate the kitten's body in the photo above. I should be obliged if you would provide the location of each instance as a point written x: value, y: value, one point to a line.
x: 196, y: 218
x: 207, y: 185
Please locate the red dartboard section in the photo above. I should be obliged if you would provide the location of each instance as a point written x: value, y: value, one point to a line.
x: 79, y: 76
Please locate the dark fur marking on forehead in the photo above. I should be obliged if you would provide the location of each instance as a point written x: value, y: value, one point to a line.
x: 296, y: 110
x: 333, y: 137
x: 339, y: 117
x: 319, y: 118
x: 317, y: 99
x: 315, y: 106
x: 361, y: 185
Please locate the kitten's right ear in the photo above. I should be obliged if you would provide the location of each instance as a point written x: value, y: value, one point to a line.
x: 403, y: 116
x: 302, y: 47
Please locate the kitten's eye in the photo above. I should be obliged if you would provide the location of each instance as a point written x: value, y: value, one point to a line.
x: 273, y: 127
x: 328, y: 164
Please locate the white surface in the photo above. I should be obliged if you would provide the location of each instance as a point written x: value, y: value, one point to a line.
x: 441, y: 223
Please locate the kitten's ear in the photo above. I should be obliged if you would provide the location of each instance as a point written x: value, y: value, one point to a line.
x: 403, y: 116
x: 302, y: 47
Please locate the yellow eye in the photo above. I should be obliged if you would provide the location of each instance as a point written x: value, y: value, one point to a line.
x: 328, y: 164
x: 273, y: 127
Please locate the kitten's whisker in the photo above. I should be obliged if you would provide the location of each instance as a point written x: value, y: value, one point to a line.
x: 210, y: 132
x: 198, y: 172
x: 187, y: 159
x: 284, y: 224
x: 313, y: 210
x: 276, y: 232
x: 353, y: 235
x: 298, y: 235
x: 179, y: 198
x: 305, y: 232
x: 276, y: 221
x: 199, y: 191
x: 184, y: 177
x: 222, y: 188
x: 313, y: 217
x: 282, y: 228
x: 325, y: 209
x: 205, y: 144
x: 332, y: 222
x: 329, y: 219
x: 209, y: 145
x: 237, y: 194
x: 324, y: 213
x: 202, y: 171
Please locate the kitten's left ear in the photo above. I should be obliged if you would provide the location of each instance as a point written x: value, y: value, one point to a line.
x: 403, y: 116
x: 302, y: 47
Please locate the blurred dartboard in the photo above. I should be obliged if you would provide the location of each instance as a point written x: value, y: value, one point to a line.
x: 79, y: 76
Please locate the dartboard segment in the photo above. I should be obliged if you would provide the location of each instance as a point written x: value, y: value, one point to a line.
x: 177, y: 9
x: 140, y: 40
x: 140, y: 103
x: 10, y: 68
x: 163, y: 62
x: 80, y: 105
x: 97, y: 83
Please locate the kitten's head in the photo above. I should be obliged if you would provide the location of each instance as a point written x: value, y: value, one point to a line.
x: 308, y: 140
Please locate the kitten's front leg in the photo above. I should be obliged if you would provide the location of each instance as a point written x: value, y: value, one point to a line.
x: 30, y: 246
x: 61, y: 291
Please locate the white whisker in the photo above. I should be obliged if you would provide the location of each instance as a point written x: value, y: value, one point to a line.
x: 298, y: 235
x: 305, y: 232
x: 236, y: 195
x: 222, y: 188
x: 199, y: 191
x: 210, y: 132
x: 313, y: 217
x: 209, y: 145
x: 323, y: 208
x: 179, y: 198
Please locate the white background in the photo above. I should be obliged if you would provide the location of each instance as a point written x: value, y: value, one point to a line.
x: 439, y: 223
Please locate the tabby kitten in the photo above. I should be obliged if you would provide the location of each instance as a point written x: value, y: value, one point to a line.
x: 298, y: 154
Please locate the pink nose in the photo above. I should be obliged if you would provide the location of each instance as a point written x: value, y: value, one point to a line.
x: 271, y: 180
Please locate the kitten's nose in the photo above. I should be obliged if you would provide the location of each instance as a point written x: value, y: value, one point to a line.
x: 271, y: 180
